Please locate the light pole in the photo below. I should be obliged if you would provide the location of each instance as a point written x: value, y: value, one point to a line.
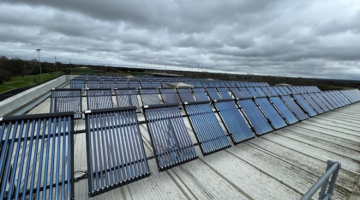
x: 38, y: 50
x: 198, y: 71
x: 55, y: 67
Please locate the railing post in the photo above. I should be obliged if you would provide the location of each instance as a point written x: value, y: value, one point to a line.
x: 330, y: 191
x: 332, y: 170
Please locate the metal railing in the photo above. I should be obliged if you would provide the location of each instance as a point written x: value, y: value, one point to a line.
x: 332, y: 171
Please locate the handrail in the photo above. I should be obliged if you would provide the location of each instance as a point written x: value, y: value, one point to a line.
x: 331, y: 170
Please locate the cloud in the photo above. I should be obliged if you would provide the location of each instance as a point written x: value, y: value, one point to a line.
x: 293, y: 38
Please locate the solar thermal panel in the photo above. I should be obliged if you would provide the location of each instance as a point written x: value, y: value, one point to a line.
x: 211, y: 84
x: 305, y: 105
x: 300, y: 114
x: 271, y: 89
x: 259, y: 91
x: 127, y: 98
x: 253, y: 92
x: 185, y: 95
x: 266, y: 91
x: 134, y: 84
x: 277, y: 90
x: 323, y: 100
x: 122, y: 84
x: 171, y: 141
x: 206, y: 126
x: 276, y: 120
x: 245, y: 92
x: 256, y: 118
x: 66, y: 100
x: 282, y: 89
x: 293, y: 90
x: 77, y: 84
x: 37, y: 156
x: 330, y: 99
x: 93, y: 84
x: 200, y: 94
x: 169, y: 95
x: 149, y: 96
x: 115, y: 149
x: 335, y: 98
x: 109, y: 84
x: 319, y: 102
x: 287, y: 90
x: 224, y: 93
x: 99, y: 99
x: 234, y: 121
x: 284, y: 110
x: 236, y: 93
x: 343, y: 97
x: 212, y: 93
x: 312, y: 103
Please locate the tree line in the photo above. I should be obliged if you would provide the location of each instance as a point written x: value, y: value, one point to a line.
x: 11, y: 67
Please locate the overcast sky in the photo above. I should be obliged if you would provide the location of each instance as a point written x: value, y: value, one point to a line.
x: 307, y: 38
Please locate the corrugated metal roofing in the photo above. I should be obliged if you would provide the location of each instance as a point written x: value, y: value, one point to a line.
x: 280, y: 165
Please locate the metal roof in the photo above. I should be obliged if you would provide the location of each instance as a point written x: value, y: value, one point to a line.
x: 280, y: 165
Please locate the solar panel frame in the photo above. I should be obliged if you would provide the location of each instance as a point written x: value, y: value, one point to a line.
x: 258, y: 121
x: 26, y: 134
x: 115, y: 149
x: 205, y: 125
x: 99, y: 98
x: 66, y: 100
x: 156, y: 117
x: 272, y: 114
x: 234, y: 121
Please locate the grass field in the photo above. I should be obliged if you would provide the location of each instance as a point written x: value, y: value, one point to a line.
x: 26, y: 81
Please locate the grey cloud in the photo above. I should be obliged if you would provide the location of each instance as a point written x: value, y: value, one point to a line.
x: 292, y: 38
